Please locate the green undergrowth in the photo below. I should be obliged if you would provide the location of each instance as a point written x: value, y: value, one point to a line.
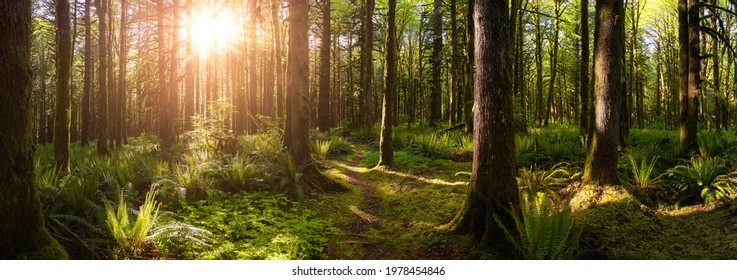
x: 257, y: 226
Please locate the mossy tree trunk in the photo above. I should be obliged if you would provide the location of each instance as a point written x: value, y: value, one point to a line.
x: 493, y: 185
x: 584, y: 71
x: 601, y: 162
x: 22, y: 234
x: 63, y: 109
x: 468, y: 105
x: 386, y: 156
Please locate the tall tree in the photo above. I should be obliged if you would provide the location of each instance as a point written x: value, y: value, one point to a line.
x: 688, y: 38
x: 87, y: 87
x: 553, y: 57
x: 601, y: 162
x: 120, y: 133
x: 493, y: 185
x: 452, y: 83
x: 164, y: 123
x: 22, y: 234
x: 468, y: 106
x: 367, y: 64
x: 63, y: 109
x: 323, y: 110
x: 386, y: 156
x: 584, y: 70
x: 189, y: 93
x: 437, y: 46
x: 278, y: 58
x: 172, y: 107
x: 298, y: 62
x: 252, y: 72
x: 102, y: 112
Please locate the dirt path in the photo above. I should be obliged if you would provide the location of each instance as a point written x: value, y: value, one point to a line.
x: 366, y: 216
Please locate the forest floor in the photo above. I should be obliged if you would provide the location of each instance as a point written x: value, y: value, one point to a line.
x: 395, y: 212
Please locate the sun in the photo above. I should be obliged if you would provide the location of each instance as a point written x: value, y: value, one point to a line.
x: 213, y: 30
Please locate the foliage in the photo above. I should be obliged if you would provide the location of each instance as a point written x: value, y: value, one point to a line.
x: 705, y: 179
x: 536, y: 180
x: 642, y: 172
x: 544, y: 227
x: 258, y: 226
x: 132, y: 238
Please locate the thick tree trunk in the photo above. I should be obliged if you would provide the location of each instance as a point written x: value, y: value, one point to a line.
x: 22, y: 234
x: 437, y: 46
x: 386, y: 156
x: 493, y: 186
x: 601, y: 163
x: 102, y: 112
x: 63, y: 83
x: 297, y: 82
x: 323, y: 110
x: 688, y: 140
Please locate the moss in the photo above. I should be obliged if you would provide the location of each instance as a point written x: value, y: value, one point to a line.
x: 41, y: 246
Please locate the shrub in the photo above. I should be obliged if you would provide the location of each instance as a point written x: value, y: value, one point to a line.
x: 704, y: 178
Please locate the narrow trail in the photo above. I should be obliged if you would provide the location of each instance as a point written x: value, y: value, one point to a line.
x: 366, y: 215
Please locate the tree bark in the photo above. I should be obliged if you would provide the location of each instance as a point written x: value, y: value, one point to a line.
x: 278, y: 59
x: 323, y: 109
x: 297, y: 82
x: 601, y: 163
x: 493, y: 185
x: 584, y: 71
x: 189, y: 99
x: 173, y: 105
x: 121, y: 133
x: 63, y: 83
x: 252, y: 72
x: 386, y: 155
x: 437, y: 46
x: 553, y: 60
x: 22, y: 234
x: 468, y: 106
x: 367, y: 70
x: 164, y: 122
x: 87, y: 87
x: 102, y: 112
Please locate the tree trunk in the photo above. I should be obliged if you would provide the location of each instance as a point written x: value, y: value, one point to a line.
x: 102, y: 112
x: 601, y: 163
x: 87, y: 88
x: 278, y: 59
x: 164, y: 122
x: 468, y: 106
x: 122, y: 104
x: 493, y: 185
x: 297, y: 82
x: 173, y: 105
x: 386, y: 156
x: 584, y: 71
x: 63, y: 83
x: 22, y: 234
x: 553, y: 60
x: 539, y: 68
x: 189, y: 100
x: 687, y: 99
x: 453, y: 95
x: 437, y: 46
x: 694, y: 67
x: 323, y: 109
x: 367, y: 70
x: 252, y: 77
